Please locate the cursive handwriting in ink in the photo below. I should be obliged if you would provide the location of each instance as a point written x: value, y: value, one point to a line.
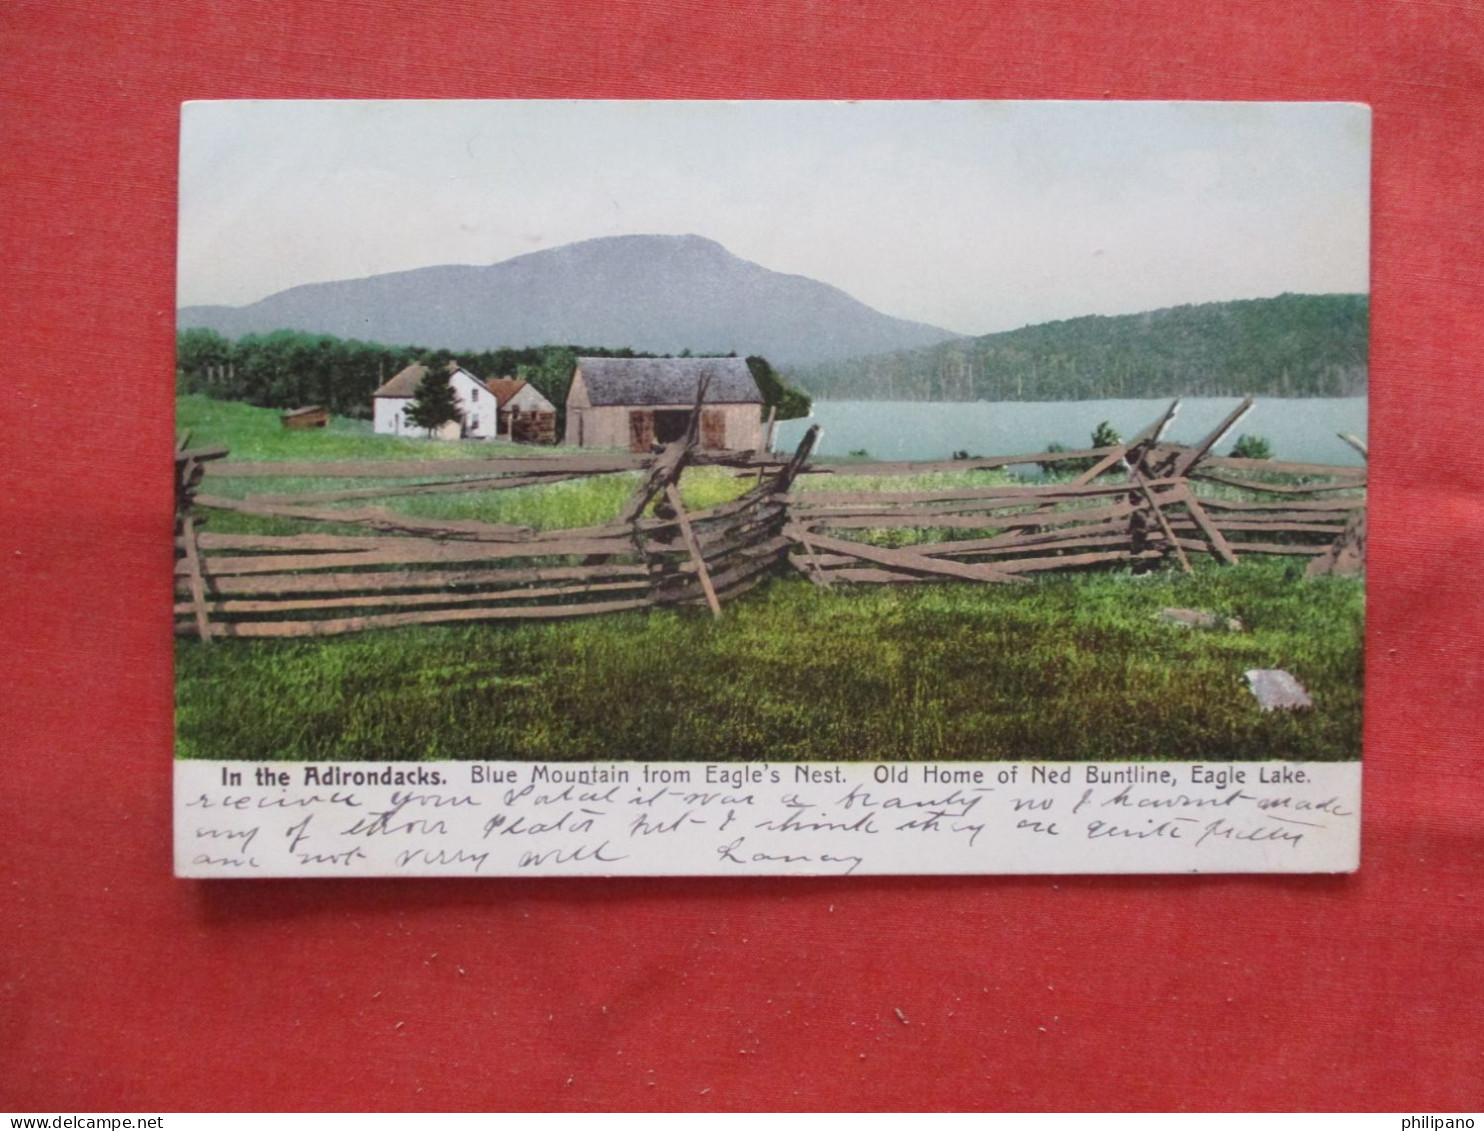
x: 797, y: 822
x: 1030, y: 826
x: 734, y: 853
x: 568, y: 822
x: 341, y: 858
x: 956, y: 804
x: 1220, y: 829
x: 436, y: 857
x: 298, y: 832
x: 646, y: 825
x: 225, y: 861
x: 1165, y: 830
x: 582, y: 853
x: 246, y: 836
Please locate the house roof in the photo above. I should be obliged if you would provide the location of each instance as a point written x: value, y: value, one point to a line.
x: 405, y: 383
x: 667, y: 380
x: 504, y: 388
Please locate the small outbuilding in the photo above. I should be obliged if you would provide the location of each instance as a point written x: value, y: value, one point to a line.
x: 525, y: 416
x: 476, y: 405
x: 310, y: 416
x: 634, y: 403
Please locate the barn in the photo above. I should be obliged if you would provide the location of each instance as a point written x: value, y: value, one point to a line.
x: 634, y: 403
x: 476, y: 404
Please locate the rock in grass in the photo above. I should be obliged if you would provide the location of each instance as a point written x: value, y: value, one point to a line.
x: 1276, y: 690
x: 1198, y: 618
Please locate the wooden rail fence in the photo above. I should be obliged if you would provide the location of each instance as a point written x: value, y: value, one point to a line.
x: 1136, y: 502
x: 411, y: 570
x: 1139, y: 502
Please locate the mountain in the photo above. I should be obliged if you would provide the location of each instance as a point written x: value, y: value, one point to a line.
x: 1288, y: 346
x: 660, y: 294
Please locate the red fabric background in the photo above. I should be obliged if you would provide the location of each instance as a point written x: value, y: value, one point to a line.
x: 126, y: 989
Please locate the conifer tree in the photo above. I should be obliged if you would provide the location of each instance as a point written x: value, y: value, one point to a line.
x: 435, y: 403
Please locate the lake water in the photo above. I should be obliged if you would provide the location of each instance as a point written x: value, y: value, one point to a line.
x: 1300, y: 430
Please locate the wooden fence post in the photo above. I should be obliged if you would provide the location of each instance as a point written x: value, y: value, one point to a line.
x: 1203, y: 520
x: 1193, y: 455
x: 671, y: 462
x: 816, y: 574
x: 673, y: 496
x: 767, y: 448
x: 1164, y: 523
x: 1346, y: 555
x: 189, y: 470
x: 790, y: 471
x: 197, y: 581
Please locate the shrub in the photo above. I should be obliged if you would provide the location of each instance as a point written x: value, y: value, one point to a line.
x: 1103, y: 436
x: 1252, y: 447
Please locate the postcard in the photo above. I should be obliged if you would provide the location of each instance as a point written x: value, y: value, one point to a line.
x: 784, y: 488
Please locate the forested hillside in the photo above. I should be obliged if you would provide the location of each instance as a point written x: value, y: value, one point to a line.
x: 1289, y: 346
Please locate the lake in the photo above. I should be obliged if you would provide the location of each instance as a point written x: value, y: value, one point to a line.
x: 1300, y: 430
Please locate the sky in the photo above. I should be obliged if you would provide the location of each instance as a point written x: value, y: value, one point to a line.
x: 973, y: 216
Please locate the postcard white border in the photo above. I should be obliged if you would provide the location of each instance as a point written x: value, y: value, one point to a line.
x: 280, y: 819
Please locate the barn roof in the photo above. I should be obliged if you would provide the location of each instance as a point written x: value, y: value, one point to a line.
x: 405, y: 383
x: 667, y: 380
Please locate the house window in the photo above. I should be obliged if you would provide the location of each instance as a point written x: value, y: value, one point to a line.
x: 474, y: 395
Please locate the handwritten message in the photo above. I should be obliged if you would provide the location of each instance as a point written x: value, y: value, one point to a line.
x: 244, y: 819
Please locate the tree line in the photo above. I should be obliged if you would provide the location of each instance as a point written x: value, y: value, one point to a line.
x: 289, y: 368
x: 1289, y: 346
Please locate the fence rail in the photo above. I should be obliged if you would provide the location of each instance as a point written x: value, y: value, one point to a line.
x: 1136, y: 503
x: 411, y: 570
x: 1132, y: 503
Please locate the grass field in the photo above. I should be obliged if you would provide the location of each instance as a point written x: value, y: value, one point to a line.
x: 254, y: 434
x: 1075, y: 667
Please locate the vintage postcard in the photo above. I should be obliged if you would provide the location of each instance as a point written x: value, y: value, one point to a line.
x: 789, y: 488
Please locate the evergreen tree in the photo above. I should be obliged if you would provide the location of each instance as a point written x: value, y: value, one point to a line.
x: 435, y: 403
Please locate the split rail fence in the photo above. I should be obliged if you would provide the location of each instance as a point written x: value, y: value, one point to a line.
x: 1131, y: 503
x: 1137, y: 502
x: 406, y: 569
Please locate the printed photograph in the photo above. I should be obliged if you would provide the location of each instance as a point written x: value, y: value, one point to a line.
x: 771, y: 431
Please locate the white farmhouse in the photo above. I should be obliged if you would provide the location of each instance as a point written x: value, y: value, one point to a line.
x: 477, y: 405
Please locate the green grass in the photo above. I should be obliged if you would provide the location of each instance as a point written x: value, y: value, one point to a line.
x: 255, y: 434
x: 1075, y: 667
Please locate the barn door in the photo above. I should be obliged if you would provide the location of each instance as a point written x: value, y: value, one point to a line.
x: 713, y: 429
x: 641, y: 430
